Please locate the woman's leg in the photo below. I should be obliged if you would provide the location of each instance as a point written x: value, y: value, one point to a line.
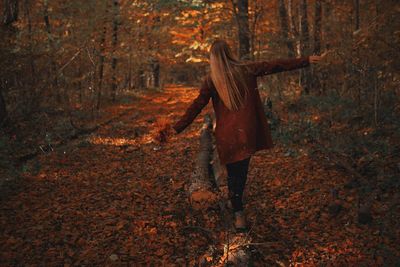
x: 237, y: 176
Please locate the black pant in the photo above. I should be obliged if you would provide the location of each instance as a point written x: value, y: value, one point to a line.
x: 237, y: 176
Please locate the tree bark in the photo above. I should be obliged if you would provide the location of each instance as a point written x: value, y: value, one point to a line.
x: 155, y: 72
x: 241, y: 11
x: 10, y: 16
x: 357, y: 14
x: 200, y: 187
x: 283, y: 18
x: 28, y: 16
x: 236, y: 246
x: 253, y: 35
x: 304, y: 41
x: 51, y: 48
x: 114, y: 61
x: 292, y: 19
x: 327, y: 11
x: 130, y: 84
x: 317, y: 43
x: 293, y: 30
x: 327, y: 25
x: 317, y: 27
x: 141, y: 78
x: 218, y: 170
x: 102, y: 58
x: 10, y: 12
x: 3, y: 110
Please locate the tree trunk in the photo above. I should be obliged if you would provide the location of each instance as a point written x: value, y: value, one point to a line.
x: 253, y: 35
x: 327, y: 10
x: 242, y: 18
x: 304, y: 41
x: 292, y: 25
x: 10, y: 12
x: 28, y: 16
x: 114, y: 50
x: 32, y: 94
x: 357, y: 14
x: 236, y: 251
x: 141, y: 78
x: 155, y: 72
x: 316, y: 83
x: 10, y: 16
x: 130, y: 84
x: 3, y: 110
x: 200, y: 187
x: 317, y: 27
x: 51, y: 48
x: 236, y: 245
x: 102, y: 58
x: 327, y: 25
x: 352, y: 76
x: 218, y: 170
x: 283, y: 18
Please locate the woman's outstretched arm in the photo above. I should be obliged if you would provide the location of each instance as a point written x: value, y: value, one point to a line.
x: 278, y: 65
x: 195, y: 107
x: 260, y: 68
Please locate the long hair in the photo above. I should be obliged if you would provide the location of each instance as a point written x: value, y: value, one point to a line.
x: 227, y: 75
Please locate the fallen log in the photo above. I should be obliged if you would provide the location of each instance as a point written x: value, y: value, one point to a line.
x: 200, y: 190
x: 203, y: 192
x: 218, y: 170
x: 236, y: 246
x: 236, y: 251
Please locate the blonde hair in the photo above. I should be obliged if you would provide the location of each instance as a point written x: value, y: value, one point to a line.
x: 227, y: 75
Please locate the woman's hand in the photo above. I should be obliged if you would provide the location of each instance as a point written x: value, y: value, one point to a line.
x: 164, y: 134
x: 317, y: 59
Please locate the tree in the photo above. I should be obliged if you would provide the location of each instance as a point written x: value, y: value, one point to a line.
x: 3, y: 109
x: 10, y: 12
x: 357, y: 14
x: 317, y: 42
x: 304, y: 44
x: 116, y: 22
x: 283, y: 18
x: 102, y: 56
x: 241, y: 11
x: 51, y: 47
x: 10, y: 16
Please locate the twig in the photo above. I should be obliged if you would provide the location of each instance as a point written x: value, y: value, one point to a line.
x: 90, y: 57
x: 72, y: 59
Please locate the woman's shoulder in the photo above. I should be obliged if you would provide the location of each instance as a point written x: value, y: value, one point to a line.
x: 249, y: 66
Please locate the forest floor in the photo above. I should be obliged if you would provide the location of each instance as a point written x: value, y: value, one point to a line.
x: 115, y: 197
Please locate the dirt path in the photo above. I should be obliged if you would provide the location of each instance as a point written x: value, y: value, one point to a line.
x: 115, y: 198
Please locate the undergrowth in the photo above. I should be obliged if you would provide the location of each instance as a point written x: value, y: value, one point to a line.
x: 367, y: 139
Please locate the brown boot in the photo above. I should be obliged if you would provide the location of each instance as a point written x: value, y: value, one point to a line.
x: 240, y: 221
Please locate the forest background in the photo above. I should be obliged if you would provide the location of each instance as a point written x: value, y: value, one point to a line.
x: 65, y: 64
x: 64, y: 61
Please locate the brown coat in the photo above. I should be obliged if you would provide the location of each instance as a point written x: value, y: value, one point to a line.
x: 241, y: 133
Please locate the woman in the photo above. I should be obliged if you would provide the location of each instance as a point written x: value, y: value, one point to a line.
x: 241, y: 125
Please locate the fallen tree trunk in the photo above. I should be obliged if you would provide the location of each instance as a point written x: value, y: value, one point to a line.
x: 218, y: 170
x: 203, y: 192
x: 236, y: 246
x: 200, y: 191
x: 236, y: 251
